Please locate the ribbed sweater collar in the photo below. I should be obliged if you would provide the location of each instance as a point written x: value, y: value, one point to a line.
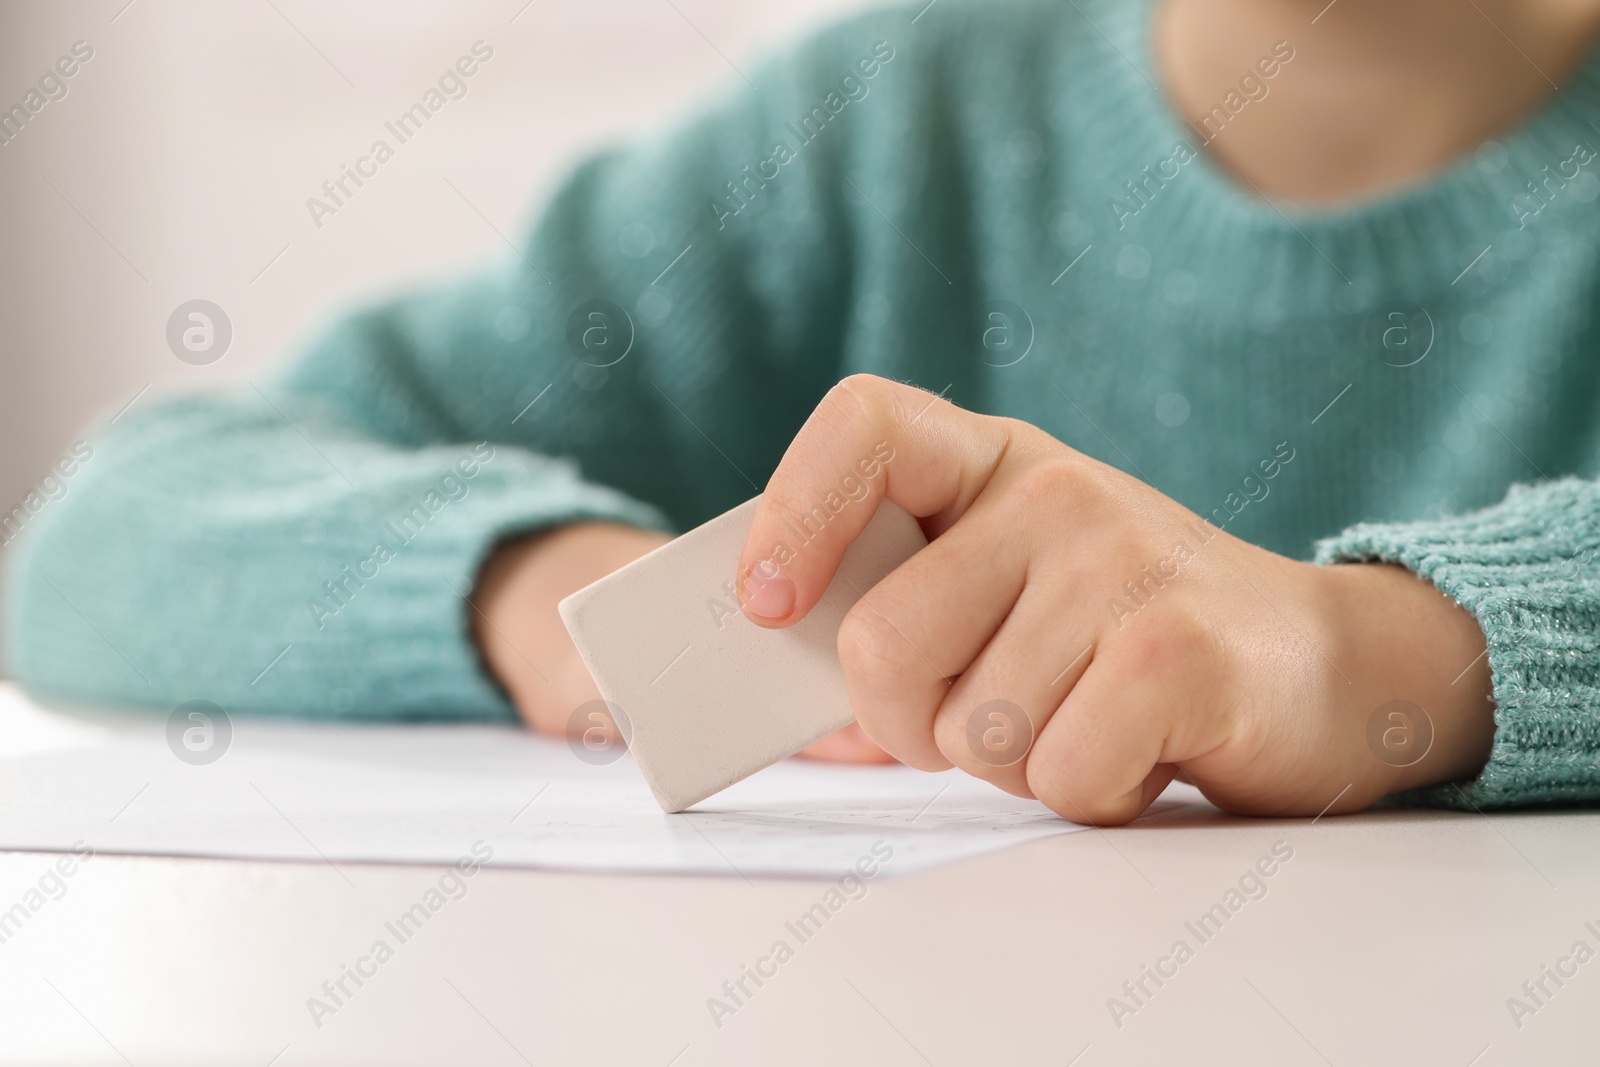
x: 1412, y: 243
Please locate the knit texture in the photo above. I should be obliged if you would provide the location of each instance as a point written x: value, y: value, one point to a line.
x: 990, y: 199
x: 1525, y: 569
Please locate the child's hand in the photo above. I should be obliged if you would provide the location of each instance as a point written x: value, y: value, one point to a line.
x: 519, y: 631
x: 525, y: 644
x: 1012, y: 647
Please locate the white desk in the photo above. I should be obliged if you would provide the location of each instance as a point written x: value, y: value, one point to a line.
x: 1390, y: 938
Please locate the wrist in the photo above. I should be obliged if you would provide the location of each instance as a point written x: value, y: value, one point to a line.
x: 1420, y: 694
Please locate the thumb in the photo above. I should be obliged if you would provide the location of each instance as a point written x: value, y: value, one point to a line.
x: 868, y: 439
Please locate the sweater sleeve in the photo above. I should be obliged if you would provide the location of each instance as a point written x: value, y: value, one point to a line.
x: 302, y: 544
x: 1528, y: 569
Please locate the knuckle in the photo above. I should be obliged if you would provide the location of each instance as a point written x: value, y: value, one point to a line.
x: 1025, y: 437
x: 883, y: 404
x: 1045, y: 485
x: 860, y: 383
x: 870, y: 648
x: 858, y: 395
x: 1051, y: 466
x: 1166, y: 641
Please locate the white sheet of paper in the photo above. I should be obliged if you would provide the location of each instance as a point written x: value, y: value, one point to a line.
x: 708, y: 697
x: 341, y: 794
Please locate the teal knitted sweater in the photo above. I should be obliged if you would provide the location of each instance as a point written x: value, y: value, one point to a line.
x: 991, y: 200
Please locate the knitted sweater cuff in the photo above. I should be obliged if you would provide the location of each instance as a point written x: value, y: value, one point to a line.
x: 1526, y: 569
x: 329, y: 603
x: 410, y: 627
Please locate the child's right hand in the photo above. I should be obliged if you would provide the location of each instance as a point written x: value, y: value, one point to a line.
x: 1071, y: 633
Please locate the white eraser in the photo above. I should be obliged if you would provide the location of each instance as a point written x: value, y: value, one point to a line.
x: 708, y: 697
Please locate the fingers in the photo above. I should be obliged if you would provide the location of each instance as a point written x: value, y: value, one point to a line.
x: 869, y: 439
x: 950, y: 659
x: 1106, y: 752
x: 918, y: 628
x: 850, y: 745
x: 996, y: 712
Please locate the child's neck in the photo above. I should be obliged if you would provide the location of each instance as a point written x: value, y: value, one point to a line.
x: 1380, y: 93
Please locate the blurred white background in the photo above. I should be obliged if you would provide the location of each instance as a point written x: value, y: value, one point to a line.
x: 178, y: 165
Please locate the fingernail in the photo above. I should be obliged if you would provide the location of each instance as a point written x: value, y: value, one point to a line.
x: 770, y: 598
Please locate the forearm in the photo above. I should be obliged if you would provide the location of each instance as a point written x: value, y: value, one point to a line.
x: 210, y: 553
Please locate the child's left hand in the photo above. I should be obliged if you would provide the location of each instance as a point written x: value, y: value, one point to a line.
x: 996, y: 649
